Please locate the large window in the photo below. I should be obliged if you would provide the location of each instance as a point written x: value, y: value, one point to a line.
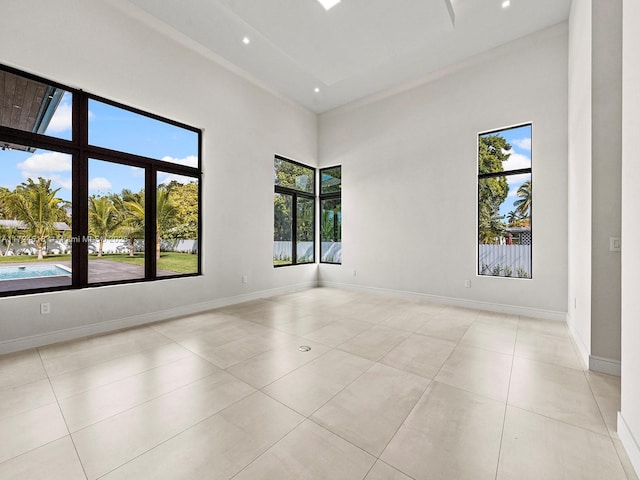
x: 294, y: 213
x: 331, y: 215
x: 504, y: 202
x: 82, y: 180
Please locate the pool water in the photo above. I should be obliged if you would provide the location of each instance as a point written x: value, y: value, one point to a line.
x: 33, y: 271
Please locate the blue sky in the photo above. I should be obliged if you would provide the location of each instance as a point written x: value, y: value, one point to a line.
x: 520, y: 157
x: 109, y: 127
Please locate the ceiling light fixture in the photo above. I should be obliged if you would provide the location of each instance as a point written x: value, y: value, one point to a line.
x: 506, y: 3
x: 246, y: 40
x: 316, y: 90
x: 327, y: 4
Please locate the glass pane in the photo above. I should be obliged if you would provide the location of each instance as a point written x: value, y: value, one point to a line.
x: 116, y: 222
x: 304, y: 231
x: 120, y: 129
x: 505, y: 150
x: 331, y: 180
x: 282, y: 231
x: 35, y: 218
x: 504, y: 233
x: 35, y: 107
x: 177, y: 243
x: 331, y: 231
x: 294, y: 176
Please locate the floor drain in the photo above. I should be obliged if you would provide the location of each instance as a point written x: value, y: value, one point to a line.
x: 304, y: 348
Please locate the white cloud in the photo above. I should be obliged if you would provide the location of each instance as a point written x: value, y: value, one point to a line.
x: 61, y: 120
x: 49, y: 165
x: 42, y: 163
x: 169, y: 177
x: 190, y: 161
x: 61, y: 181
x: 516, y: 161
x: 99, y: 184
x: 514, y: 182
x: 523, y: 143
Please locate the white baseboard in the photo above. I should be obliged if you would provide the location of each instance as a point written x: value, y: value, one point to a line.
x: 629, y: 442
x: 583, y: 351
x: 605, y: 365
x: 457, y: 302
x: 24, y: 343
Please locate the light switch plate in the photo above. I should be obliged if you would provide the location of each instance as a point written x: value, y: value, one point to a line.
x: 614, y: 244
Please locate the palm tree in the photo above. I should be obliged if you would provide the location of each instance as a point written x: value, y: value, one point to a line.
x: 512, y: 217
x: 166, y: 211
x: 103, y: 219
x: 130, y: 207
x: 37, y: 206
x: 523, y: 206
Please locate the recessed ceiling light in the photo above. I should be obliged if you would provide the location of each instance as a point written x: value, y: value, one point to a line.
x: 316, y: 89
x: 327, y: 4
x: 506, y: 3
x: 246, y: 40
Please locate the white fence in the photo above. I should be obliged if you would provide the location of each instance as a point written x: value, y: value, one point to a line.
x: 505, y: 260
x: 331, y: 251
x: 112, y: 245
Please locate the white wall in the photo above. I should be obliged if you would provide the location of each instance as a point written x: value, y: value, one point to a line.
x: 579, y: 301
x: 409, y: 164
x: 595, y: 112
x: 629, y: 419
x: 95, y: 46
x: 606, y: 179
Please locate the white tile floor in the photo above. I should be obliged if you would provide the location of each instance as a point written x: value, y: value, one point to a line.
x: 391, y: 389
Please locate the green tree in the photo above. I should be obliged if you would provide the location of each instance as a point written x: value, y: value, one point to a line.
x: 512, y: 218
x: 492, y: 191
x: 185, y: 197
x: 37, y: 206
x: 523, y: 205
x: 104, y: 219
x: 166, y: 212
x: 130, y: 208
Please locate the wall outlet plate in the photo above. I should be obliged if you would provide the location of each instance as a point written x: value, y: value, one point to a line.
x: 614, y: 244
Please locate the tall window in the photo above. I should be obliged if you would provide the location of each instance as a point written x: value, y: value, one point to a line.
x: 294, y: 213
x: 504, y: 202
x: 82, y: 180
x: 331, y: 215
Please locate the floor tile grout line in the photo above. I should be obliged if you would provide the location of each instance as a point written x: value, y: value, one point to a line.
x: 141, y: 372
x: 609, y: 435
x: 506, y: 402
x: 64, y: 419
x: 148, y: 401
x: 85, y: 338
x: 179, y: 433
x: 105, y: 361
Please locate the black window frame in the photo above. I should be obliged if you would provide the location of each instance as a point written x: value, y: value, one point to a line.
x: 295, y: 194
x: 505, y: 173
x: 329, y: 196
x: 81, y: 151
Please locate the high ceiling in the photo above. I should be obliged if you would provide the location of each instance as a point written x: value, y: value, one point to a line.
x: 357, y: 48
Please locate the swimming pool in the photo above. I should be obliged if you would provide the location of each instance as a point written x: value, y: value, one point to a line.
x: 33, y: 271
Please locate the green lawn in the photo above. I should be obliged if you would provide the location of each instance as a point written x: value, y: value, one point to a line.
x: 170, y: 261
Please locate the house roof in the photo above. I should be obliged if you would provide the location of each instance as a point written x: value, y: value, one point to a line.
x: 20, y: 225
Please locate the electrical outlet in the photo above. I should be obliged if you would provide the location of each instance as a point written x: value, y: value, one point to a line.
x: 467, y: 284
x: 45, y: 308
x: 245, y: 279
x: 614, y: 244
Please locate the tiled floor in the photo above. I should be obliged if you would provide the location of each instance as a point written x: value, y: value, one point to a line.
x: 390, y: 390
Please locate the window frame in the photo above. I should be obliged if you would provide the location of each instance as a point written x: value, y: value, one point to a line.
x: 506, y: 173
x: 294, y: 194
x: 81, y: 151
x: 329, y: 196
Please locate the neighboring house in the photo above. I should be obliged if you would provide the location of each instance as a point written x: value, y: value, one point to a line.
x: 60, y: 227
